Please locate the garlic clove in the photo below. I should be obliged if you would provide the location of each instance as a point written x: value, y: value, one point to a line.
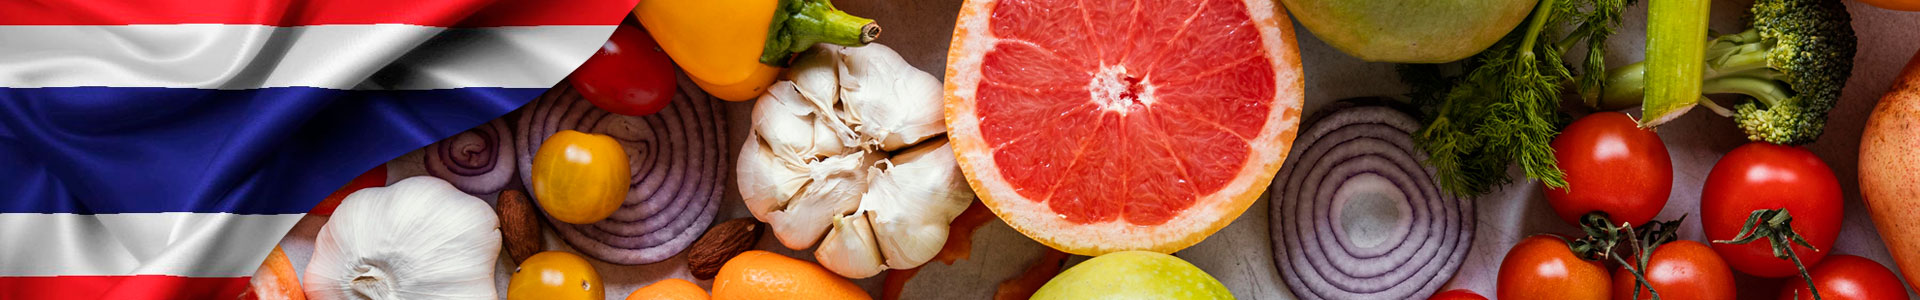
x: 817, y: 83
x: 767, y: 181
x: 912, y: 201
x: 833, y: 189
x: 784, y: 121
x: 895, y: 104
x: 814, y: 76
x: 827, y: 140
x: 849, y: 249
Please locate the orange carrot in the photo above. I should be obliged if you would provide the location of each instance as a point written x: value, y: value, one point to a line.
x: 275, y: 280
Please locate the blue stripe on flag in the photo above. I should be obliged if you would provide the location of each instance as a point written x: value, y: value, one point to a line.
x: 105, y: 150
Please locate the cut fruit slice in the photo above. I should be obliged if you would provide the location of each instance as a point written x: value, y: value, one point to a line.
x: 1104, y: 126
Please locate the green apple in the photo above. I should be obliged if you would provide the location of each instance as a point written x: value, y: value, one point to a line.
x: 1410, y: 31
x: 1134, y: 275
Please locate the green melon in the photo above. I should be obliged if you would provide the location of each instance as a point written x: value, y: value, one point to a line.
x: 1410, y: 31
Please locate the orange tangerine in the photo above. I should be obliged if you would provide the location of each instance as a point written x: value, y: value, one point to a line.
x: 762, y: 275
x: 669, y: 289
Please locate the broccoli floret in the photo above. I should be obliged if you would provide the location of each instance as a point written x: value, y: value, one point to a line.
x: 1791, y: 64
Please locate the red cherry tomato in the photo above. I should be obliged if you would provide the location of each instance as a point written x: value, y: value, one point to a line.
x: 1542, y: 267
x: 628, y: 76
x: 1847, y: 277
x: 377, y: 177
x: 1460, y: 294
x: 1614, y: 167
x: 1679, y: 270
x: 1759, y: 176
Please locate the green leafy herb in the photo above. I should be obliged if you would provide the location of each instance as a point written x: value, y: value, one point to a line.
x: 1505, y: 109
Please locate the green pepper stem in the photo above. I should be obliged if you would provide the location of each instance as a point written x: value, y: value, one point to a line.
x: 799, y: 24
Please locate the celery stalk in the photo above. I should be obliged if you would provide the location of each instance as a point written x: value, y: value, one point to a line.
x: 1676, y: 45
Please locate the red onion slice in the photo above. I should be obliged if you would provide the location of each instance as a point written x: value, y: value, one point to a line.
x: 478, y: 161
x: 676, y: 157
x: 1356, y: 215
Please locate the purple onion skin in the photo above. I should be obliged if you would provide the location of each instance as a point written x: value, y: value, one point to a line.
x: 478, y: 161
x: 678, y: 165
x: 1316, y: 261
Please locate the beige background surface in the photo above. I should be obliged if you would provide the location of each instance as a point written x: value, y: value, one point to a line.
x: 1241, y: 255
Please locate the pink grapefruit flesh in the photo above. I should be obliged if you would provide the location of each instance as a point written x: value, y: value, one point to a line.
x: 1102, y: 126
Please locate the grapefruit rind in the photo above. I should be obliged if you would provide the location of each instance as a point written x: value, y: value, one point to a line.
x: 1211, y: 212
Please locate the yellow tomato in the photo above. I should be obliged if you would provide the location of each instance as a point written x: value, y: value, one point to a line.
x: 555, y: 275
x: 580, y: 178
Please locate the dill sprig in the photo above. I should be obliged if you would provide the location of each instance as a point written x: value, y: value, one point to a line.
x: 1505, y: 109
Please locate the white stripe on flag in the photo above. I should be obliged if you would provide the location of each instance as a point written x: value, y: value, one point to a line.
x: 177, y: 244
x: 236, y: 57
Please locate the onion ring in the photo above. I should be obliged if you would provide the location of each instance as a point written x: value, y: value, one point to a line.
x: 678, y: 164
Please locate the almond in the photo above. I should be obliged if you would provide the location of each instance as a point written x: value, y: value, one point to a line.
x: 722, y: 242
x: 519, y: 225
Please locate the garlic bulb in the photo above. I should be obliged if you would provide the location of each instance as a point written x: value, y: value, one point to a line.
x: 419, y: 238
x: 852, y: 146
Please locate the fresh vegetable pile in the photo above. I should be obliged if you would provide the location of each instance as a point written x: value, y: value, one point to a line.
x: 1118, y: 130
x: 1767, y: 210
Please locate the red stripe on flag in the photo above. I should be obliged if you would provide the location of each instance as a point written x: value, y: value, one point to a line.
x: 122, y: 287
x: 436, y: 13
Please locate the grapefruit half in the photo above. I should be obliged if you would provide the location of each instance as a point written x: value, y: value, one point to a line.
x: 1105, y: 126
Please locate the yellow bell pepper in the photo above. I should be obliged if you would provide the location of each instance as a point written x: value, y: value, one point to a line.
x: 734, y: 48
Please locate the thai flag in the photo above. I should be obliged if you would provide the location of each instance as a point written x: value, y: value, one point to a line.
x: 160, y: 148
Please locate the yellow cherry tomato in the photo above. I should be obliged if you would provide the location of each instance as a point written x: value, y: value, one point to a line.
x: 555, y: 275
x: 580, y: 178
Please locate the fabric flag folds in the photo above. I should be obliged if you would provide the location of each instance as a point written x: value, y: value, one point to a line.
x: 158, y: 149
